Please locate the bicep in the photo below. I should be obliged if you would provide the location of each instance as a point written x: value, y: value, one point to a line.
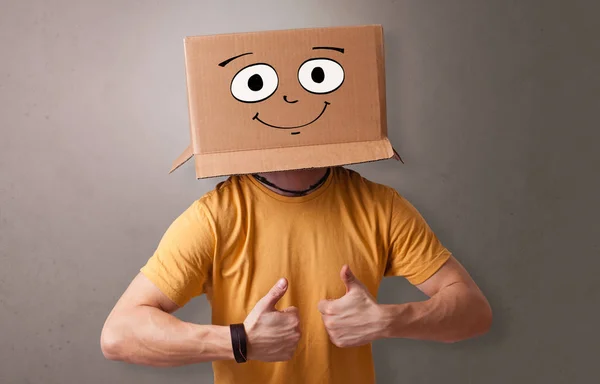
x: 451, y: 272
x: 142, y: 292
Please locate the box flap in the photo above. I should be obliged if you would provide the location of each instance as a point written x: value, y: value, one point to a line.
x: 302, y: 157
x: 184, y: 157
x: 397, y: 156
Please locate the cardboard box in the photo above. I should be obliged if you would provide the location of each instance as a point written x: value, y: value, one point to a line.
x: 287, y: 99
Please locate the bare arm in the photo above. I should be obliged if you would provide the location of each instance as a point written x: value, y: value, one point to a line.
x: 142, y: 330
x: 456, y: 309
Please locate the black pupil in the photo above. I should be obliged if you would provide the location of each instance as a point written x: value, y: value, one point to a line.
x: 317, y: 75
x: 255, y: 83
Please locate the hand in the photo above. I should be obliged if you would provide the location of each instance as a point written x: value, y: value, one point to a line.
x: 272, y: 335
x: 353, y: 319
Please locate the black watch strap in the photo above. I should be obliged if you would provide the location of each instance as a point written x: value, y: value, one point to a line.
x: 239, y: 342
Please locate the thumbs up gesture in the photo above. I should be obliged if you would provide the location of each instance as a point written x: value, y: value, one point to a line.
x: 272, y: 335
x: 353, y: 319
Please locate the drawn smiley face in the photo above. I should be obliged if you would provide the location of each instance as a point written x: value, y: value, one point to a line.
x: 284, y: 89
x: 258, y: 82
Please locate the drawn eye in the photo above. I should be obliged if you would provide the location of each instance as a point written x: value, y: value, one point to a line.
x: 321, y: 75
x: 254, y: 83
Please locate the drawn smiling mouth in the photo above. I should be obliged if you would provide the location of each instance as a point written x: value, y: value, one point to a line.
x: 296, y: 126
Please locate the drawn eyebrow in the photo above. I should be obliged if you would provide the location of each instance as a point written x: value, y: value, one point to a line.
x: 224, y: 63
x: 331, y: 48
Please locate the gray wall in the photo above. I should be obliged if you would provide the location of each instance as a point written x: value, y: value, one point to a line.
x: 494, y: 106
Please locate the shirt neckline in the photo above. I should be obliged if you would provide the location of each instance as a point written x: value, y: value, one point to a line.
x: 293, y: 199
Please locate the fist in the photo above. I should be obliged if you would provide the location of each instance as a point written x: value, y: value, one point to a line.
x: 272, y: 335
x: 353, y: 319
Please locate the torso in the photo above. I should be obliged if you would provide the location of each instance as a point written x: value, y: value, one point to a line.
x: 263, y: 236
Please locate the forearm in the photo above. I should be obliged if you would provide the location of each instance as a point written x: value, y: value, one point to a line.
x: 453, y: 314
x: 148, y: 336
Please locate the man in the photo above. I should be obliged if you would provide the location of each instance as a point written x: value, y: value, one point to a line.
x: 292, y: 248
x: 329, y: 246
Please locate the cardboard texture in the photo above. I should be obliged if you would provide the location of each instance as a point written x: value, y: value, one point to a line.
x: 288, y: 99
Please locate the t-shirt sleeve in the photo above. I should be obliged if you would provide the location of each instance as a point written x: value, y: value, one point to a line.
x: 414, y: 250
x: 181, y: 264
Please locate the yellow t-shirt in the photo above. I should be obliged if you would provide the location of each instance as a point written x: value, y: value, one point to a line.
x: 235, y: 242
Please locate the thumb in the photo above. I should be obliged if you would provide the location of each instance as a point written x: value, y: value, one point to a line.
x: 267, y: 303
x: 350, y: 281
